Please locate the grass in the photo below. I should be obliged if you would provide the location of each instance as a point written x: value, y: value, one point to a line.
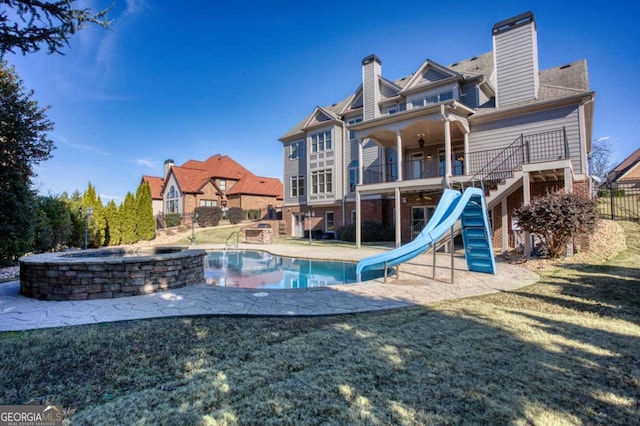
x: 563, y: 351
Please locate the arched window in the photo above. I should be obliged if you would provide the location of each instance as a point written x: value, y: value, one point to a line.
x: 172, y: 200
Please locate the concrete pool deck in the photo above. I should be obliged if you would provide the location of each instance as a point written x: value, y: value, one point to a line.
x: 415, y: 286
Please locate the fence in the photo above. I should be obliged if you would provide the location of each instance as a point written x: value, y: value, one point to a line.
x: 620, y: 201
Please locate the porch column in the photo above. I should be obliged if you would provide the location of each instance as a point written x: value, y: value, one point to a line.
x: 526, y: 195
x: 568, y: 181
x: 360, y: 164
x: 398, y: 215
x: 358, y: 216
x: 447, y: 152
x: 505, y: 225
x: 399, y: 152
x: 383, y: 162
x: 466, y: 154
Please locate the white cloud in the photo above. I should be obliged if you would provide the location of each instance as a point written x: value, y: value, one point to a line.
x: 77, y: 146
x: 152, y: 164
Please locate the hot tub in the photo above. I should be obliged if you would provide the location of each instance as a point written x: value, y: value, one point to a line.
x: 109, y: 272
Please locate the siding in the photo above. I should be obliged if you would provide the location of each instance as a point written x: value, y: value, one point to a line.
x: 516, y: 56
x: 293, y: 167
x: 501, y: 133
x: 469, y: 95
x: 371, y: 88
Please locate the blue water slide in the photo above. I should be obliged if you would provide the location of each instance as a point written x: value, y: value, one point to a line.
x: 471, y: 209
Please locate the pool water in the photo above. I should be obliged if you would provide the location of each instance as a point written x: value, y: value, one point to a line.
x: 261, y: 270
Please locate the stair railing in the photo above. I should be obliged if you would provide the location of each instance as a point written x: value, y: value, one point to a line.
x: 237, y: 235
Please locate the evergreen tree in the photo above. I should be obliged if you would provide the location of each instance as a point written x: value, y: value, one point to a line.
x: 23, y: 144
x: 113, y: 233
x: 146, y: 224
x: 33, y: 23
x: 74, y: 203
x: 43, y: 239
x: 128, y: 220
x: 99, y: 223
x: 59, y: 215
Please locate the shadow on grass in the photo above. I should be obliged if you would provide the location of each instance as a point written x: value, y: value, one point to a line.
x: 564, y: 351
x: 461, y: 363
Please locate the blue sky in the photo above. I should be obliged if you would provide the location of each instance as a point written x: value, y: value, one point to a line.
x: 188, y: 82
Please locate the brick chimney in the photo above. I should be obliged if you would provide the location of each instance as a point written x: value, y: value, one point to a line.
x: 371, y: 70
x: 515, y: 55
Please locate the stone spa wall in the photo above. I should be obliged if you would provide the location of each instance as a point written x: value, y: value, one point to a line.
x: 108, y: 273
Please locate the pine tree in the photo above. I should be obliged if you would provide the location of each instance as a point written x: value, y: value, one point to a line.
x: 95, y: 222
x: 146, y: 224
x: 113, y: 234
x: 24, y: 143
x: 128, y: 220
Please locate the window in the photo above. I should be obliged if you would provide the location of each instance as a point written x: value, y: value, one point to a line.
x: 353, y: 216
x: 172, y: 200
x: 222, y: 184
x: 321, y: 182
x: 352, y: 134
x: 297, y: 186
x: 432, y: 99
x: 297, y: 150
x: 392, y: 167
x: 208, y: 203
x: 328, y: 222
x: 321, y: 141
x: 353, y: 175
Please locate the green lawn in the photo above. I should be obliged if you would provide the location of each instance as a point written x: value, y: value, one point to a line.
x: 563, y: 351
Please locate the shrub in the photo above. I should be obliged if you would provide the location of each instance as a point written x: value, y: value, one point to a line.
x: 172, y: 219
x: 208, y: 216
x: 557, y: 219
x: 253, y: 214
x: 234, y: 215
x: 371, y: 231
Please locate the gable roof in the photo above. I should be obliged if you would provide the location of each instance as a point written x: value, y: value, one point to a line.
x: 554, y: 83
x: 193, y: 175
x: 628, y: 164
x: 155, y: 184
x: 258, y: 185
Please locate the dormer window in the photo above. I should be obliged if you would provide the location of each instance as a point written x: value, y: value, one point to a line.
x: 222, y: 184
x: 433, y: 99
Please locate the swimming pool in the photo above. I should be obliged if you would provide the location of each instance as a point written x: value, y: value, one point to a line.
x: 262, y: 270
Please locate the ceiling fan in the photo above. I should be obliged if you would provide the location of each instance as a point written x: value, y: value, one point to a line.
x: 422, y: 196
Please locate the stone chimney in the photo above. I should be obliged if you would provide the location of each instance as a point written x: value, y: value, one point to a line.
x: 167, y: 166
x: 515, y: 57
x: 371, y: 70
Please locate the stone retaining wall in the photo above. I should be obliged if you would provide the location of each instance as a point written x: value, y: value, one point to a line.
x: 56, y: 277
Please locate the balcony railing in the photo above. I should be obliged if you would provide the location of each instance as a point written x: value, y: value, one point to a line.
x: 492, y: 164
x: 413, y: 169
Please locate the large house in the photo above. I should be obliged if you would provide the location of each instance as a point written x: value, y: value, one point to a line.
x: 385, y: 152
x: 217, y: 181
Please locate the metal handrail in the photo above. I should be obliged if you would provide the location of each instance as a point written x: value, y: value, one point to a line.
x: 237, y: 234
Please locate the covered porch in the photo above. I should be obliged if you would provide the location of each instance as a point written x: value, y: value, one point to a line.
x: 421, y: 150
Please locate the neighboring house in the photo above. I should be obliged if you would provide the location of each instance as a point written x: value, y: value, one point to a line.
x: 155, y: 184
x: 386, y: 151
x: 627, y: 173
x: 217, y: 181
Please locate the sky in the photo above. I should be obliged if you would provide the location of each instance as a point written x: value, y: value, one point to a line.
x: 188, y: 80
